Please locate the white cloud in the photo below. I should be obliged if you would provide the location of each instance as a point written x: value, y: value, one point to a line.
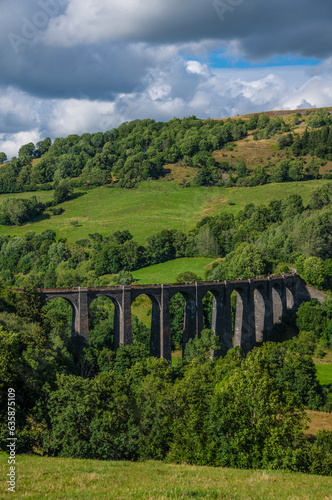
x: 11, y: 143
x: 75, y: 116
x: 18, y: 110
x: 197, y: 68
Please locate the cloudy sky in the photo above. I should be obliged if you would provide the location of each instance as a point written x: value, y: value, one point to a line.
x: 74, y: 66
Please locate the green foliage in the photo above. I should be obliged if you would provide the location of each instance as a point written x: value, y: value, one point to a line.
x: 313, y: 316
x: 318, y: 118
x: 17, y: 212
x: 201, y: 348
x: 253, y: 422
x: 313, y: 271
x: 3, y: 157
x: 92, y: 418
x: 187, y: 277
x: 63, y: 191
x: 126, y: 155
x: 176, y: 314
x: 245, y: 262
x: 207, y: 244
x: 30, y: 305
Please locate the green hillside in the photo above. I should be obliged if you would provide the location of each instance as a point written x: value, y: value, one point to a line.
x: 149, y: 208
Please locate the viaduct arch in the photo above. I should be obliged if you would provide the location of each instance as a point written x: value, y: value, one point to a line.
x: 260, y: 303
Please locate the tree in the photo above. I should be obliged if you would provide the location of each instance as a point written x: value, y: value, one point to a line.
x: 63, y: 191
x: 313, y: 271
x: 207, y: 244
x: 292, y: 205
x: 295, y: 171
x: 285, y: 140
x: 241, y: 169
x: 245, y: 262
x: 92, y: 418
x: 43, y: 146
x: 27, y: 150
x: 297, y: 146
x: 187, y: 277
x: 252, y: 124
x: 160, y: 247
x: 200, y: 348
x: 253, y: 422
x: 318, y: 118
x: 312, y: 168
x: 205, y: 177
x: 3, y: 157
x: 263, y: 121
x: 311, y: 317
x: 30, y: 304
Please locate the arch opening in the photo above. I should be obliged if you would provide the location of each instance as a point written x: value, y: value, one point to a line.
x: 182, y: 322
x: 212, y: 319
x: 237, y: 310
x: 260, y: 314
x: 208, y: 305
x: 60, y: 321
x: 177, y: 306
x: 290, y: 302
x: 103, y: 322
x: 145, y: 323
x: 277, y: 304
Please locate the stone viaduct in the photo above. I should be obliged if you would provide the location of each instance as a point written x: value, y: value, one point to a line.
x: 260, y: 303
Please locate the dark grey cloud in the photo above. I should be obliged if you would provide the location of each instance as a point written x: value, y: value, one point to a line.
x: 86, y: 49
x: 265, y: 27
x: 71, y: 66
x: 94, y: 72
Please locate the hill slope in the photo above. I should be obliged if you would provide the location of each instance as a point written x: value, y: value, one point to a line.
x: 149, y: 208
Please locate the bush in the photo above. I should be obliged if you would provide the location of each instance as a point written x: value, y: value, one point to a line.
x: 57, y: 210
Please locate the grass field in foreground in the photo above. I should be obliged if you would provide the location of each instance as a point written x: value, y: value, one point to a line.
x: 324, y: 374
x: 59, y: 479
x: 168, y: 271
x: 150, y: 207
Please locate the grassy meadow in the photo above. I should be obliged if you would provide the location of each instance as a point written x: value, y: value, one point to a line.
x: 58, y: 478
x: 168, y: 271
x: 149, y: 208
x: 324, y: 374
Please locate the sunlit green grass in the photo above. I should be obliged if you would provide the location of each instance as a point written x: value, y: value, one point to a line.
x: 324, y: 374
x: 151, y: 207
x: 59, y: 479
x: 168, y: 271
